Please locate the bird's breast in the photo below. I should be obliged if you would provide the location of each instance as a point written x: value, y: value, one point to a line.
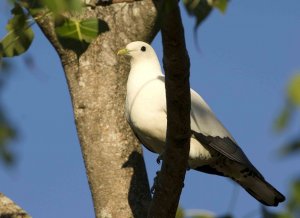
x: 145, y: 111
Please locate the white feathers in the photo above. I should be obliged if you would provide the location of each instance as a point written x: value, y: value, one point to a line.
x: 146, y: 114
x: 146, y: 104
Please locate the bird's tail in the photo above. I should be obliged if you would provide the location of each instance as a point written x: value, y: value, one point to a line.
x: 261, y: 190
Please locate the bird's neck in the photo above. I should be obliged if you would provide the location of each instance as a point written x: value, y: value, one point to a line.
x: 143, y: 72
x: 151, y: 65
x: 140, y: 74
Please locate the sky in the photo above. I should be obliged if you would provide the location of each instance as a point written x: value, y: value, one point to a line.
x: 241, y: 68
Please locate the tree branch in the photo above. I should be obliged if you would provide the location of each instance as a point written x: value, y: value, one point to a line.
x: 9, y: 209
x: 176, y: 64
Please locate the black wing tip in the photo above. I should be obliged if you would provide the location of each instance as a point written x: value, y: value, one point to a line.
x: 278, y: 199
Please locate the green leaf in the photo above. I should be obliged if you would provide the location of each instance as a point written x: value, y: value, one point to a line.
x: 7, y: 134
x: 290, y: 148
x: 179, y: 213
x: 19, y: 36
x: 59, y: 6
x: 294, y: 90
x: 219, y: 4
x: 268, y: 214
x: 284, y: 117
x: 200, y: 9
x: 78, y: 34
x: 54, y: 7
x: 294, y: 201
x: 202, y: 216
x: 35, y: 7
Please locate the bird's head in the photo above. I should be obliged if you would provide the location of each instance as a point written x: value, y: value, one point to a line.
x: 138, y: 51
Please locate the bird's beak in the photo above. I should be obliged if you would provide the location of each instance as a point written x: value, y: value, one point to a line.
x: 123, y: 51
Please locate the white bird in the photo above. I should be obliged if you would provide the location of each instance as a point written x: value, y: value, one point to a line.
x: 212, y: 148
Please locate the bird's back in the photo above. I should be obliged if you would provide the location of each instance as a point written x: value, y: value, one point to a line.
x: 203, y: 119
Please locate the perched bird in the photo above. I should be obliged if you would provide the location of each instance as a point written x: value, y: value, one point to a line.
x: 212, y: 148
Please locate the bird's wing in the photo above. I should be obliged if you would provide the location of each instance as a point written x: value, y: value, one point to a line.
x: 209, y: 131
x: 226, y: 147
x: 203, y: 119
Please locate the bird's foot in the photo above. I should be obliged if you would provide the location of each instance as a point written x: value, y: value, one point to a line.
x: 155, y: 183
x: 160, y: 158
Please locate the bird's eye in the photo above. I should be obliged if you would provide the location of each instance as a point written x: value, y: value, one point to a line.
x: 143, y: 48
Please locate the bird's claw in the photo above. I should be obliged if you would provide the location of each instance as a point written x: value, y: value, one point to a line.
x: 152, y: 190
x: 159, y: 158
x: 155, y: 183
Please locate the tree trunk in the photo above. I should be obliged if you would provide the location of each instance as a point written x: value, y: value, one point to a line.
x: 97, y: 84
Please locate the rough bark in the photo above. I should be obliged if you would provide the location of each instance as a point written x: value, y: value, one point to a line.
x: 176, y: 64
x: 9, y: 209
x: 97, y: 82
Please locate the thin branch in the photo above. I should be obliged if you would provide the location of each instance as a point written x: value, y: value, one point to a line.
x: 176, y: 64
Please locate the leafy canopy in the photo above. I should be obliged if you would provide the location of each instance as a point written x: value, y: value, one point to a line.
x: 72, y: 33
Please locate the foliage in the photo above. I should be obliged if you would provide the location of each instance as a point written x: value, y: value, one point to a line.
x: 292, y: 209
x: 72, y: 33
x: 76, y: 34
x: 181, y: 213
x: 288, y: 112
x: 268, y: 214
x: 219, y: 4
x: 7, y: 132
x: 200, y: 9
x: 19, y: 36
x: 293, y: 205
x: 59, y: 6
x: 294, y: 90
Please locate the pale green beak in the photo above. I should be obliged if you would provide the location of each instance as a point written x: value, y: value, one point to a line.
x: 123, y: 51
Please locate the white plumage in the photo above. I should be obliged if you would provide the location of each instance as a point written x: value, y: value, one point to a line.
x: 212, y: 148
